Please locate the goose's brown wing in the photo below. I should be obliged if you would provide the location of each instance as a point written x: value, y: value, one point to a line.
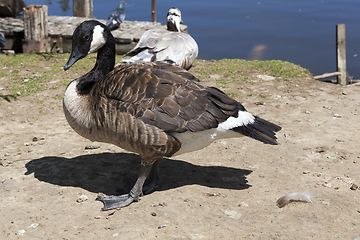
x: 166, y: 96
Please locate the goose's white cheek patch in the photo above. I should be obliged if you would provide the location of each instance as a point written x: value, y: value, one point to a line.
x: 98, y: 39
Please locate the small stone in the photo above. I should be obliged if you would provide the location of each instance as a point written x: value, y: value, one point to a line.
x: 212, y: 194
x: 243, y: 204
x: 306, y: 172
x: 344, y: 93
x: 307, y: 112
x: 260, y: 103
x: 33, y: 225
x: 21, y: 232
x: 337, y: 115
x: 97, y: 217
x: 354, y: 186
x: 82, y: 198
x: 35, y: 139
x: 90, y: 147
x: 356, y: 237
x: 233, y: 214
x: 162, y: 226
x: 111, y: 213
x: 327, y: 185
x: 9, y: 52
x: 265, y: 77
x: 26, y: 144
x: 153, y: 214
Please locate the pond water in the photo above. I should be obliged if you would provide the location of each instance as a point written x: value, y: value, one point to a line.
x: 301, y: 31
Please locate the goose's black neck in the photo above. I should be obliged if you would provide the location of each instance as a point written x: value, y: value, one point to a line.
x: 105, y: 62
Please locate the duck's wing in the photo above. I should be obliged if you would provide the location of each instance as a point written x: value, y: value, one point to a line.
x: 147, y: 42
x: 177, y: 48
x: 164, y: 96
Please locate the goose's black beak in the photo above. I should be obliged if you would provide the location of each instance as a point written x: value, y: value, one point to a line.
x: 74, y: 57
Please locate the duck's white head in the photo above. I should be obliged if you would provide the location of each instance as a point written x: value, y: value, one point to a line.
x: 173, y: 18
x: 87, y: 38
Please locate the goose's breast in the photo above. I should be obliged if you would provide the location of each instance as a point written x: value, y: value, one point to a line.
x: 77, y: 112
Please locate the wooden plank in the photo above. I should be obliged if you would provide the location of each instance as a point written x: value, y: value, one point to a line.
x: 341, y: 53
x: 35, y: 46
x: 61, y: 29
x: 326, y: 75
x: 83, y: 8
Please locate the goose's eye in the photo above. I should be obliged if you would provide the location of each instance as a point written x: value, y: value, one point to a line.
x: 86, y: 37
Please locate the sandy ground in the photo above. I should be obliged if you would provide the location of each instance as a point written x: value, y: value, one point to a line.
x: 225, y: 191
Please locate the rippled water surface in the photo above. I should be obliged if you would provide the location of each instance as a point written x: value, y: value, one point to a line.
x: 302, y: 31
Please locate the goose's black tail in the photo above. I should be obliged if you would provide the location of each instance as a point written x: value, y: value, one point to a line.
x: 261, y: 130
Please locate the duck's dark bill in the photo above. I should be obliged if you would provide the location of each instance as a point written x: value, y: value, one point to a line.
x: 74, y: 57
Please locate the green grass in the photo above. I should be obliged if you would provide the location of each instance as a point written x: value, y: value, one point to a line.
x: 235, y: 68
x: 27, y: 74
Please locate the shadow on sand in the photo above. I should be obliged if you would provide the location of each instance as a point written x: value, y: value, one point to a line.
x: 106, y: 172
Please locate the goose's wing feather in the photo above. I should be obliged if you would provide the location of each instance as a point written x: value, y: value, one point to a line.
x: 177, y: 48
x: 162, y: 95
x: 147, y: 41
x: 161, y: 45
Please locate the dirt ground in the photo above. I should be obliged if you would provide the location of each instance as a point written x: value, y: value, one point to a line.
x: 225, y: 191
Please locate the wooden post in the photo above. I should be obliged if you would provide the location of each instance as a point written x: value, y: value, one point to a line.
x: 341, y: 54
x: 36, y: 29
x: 83, y: 8
x: 153, y: 10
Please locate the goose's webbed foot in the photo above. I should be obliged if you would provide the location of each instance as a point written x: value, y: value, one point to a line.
x: 113, y: 202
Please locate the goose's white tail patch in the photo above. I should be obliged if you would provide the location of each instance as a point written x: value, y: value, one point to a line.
x: 98, y: 40
x: 243, y: 119
x: 192, y: 141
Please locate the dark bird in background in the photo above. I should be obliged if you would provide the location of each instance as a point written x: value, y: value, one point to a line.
x: 154, y: 109
x: 2, y: 41
x: 116, y: 17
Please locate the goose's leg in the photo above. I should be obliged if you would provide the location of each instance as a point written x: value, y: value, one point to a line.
x: 153, y: 179
x: 112, y: 202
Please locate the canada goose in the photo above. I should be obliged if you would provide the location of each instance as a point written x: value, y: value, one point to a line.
x: 116, y: 17
x: 154, y: 109
x: 171, y: 45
